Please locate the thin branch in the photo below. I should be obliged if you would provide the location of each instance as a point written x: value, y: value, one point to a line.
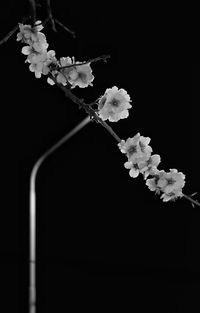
x: 65, y: 28
x: 32, y: 11
x: 103, y: 58
x: 45, y: 22
x: 50, y: 15
x: 191, y: 200
x: 9, y: 34
x: 92, y: 113
x: 12, y: 31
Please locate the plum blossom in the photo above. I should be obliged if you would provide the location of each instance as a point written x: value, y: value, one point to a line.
x: 149, y: 166
x: 70, y: 72
x: 51, y: 59
x: 170, y: 184
x: 114, y: 104
x: 37, y: 55
x: 62, y: 74
x: 40, y: 44
x: 80, y: 75
x: 146, y: 165
x: 26, y: 50
x: 28, y: 33
x: 135, y: 147
x: 40, y: 62
x: 36, y: 68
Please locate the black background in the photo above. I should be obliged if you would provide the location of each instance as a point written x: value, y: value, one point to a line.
x: 104, y: 241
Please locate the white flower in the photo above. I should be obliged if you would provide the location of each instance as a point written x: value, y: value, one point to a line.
x: 36, y: 68
x: 27, y: 50
x: 134, y: 170
x: 50, y: 81
x: 149, y: 166
x: 38, y: 26
x: 170, y: 184
x: 40, y: 44
x: 36, y: 57
x: 40, y: 62
x: 63, y: 73
x: 135, y: 147
x: 114, y: 104
x: 144, y: 164
x: 27, y: 33
x: 80, y: 76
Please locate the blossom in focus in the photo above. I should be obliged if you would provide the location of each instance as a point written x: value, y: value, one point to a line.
x: 170, y: 184
x: 134, y: 169
x: 80, y: 75
x: 114, y: 104
x: 135, y: 147
x: 149, y: 166
x: 146, y: 165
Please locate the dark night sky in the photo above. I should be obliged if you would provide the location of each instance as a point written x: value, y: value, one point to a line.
x: 97, y: 227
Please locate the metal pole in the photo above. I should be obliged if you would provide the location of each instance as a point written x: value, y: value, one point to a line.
x: 32, y: 213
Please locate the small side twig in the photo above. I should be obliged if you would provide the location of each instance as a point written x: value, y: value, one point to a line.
x: 93, y: 115
x: 50, y: 15
x: 9, y: 34
x: 102, y: 57
x: 12, y: 31
x: 193, y: 202
x: 65, y: 28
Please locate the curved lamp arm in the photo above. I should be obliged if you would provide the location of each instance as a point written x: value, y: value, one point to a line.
x: 32, y: 212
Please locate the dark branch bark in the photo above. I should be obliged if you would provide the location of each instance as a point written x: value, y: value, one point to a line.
x: 50, y: 15
x: 32, y: 11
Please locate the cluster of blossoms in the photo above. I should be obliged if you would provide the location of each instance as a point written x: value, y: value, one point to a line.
x: 112, y: 106
x: 141, y: 161
x: 44, y: 62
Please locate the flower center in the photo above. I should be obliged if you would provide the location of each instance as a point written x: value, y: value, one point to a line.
x: 142, y: 146
x: 170, y: 181
x: 132, y: 149
x: 115, y: 102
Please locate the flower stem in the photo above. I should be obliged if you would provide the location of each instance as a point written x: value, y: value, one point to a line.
x: 191, y: 200
x: 65, y: 28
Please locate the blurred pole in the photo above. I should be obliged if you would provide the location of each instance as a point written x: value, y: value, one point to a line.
x: 32, y: 213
